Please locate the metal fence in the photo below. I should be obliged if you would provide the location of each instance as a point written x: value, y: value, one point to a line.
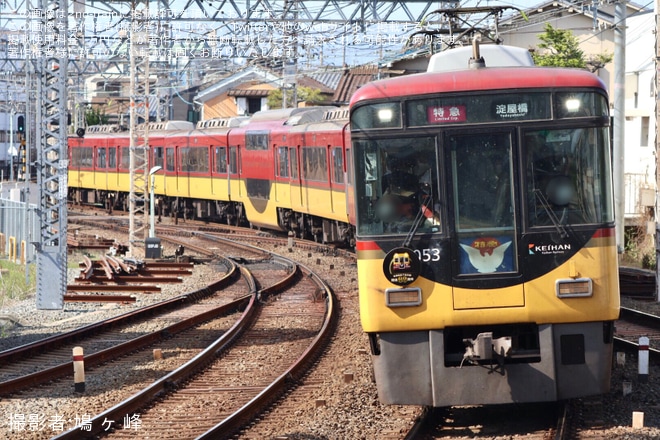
x: 19, y: 225
x: 639, y: 195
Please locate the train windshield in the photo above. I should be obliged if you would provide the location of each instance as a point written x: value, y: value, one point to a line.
x: 568, y: 177
x: 399, y: 185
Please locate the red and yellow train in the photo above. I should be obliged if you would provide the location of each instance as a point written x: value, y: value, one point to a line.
x: 478, y: 196
x: 281, y: 169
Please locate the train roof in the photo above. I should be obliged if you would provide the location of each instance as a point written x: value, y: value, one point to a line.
x: 494, y: 55
x: 152, y: 127
x: 292, y: 116
x: 223, y: 122
x: 478, y: 79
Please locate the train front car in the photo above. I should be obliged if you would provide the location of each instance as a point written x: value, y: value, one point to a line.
x: 485, y: 232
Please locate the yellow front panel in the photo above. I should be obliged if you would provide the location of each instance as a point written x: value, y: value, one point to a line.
x: 598, y: 261
x: 535, y: 301
x: 513, y: 296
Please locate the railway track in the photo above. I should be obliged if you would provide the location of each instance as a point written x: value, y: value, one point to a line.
x: 632, y: 325
x: 225, y: 385
x: 50, y: 358
x: 310, y: 303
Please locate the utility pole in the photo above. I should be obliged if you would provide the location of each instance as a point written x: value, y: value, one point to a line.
x: 657, y: 147
x: 139, y: 144
x: 619, y: 120
x: 52, y: 163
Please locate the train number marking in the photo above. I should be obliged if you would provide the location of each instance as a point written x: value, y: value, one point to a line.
x: 428, y: 254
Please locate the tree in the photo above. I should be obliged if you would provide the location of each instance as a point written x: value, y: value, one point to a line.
x: 95, y: 117
x: 560, y: 49
x: 304, y: 94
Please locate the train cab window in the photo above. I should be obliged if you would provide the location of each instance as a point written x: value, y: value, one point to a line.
x: 567, y: 175
x: 283, y: 161
x: 100, y: 158
x: 398, y: 187
x: 169, y: 159
x: 220, y: 159
x: 112, y: 157
x: 337, y: 165
x: 483, y: 200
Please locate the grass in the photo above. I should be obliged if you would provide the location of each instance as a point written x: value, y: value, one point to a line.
x: 12, y: 281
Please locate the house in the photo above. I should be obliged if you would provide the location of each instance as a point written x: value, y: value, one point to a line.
x: 240, y: 94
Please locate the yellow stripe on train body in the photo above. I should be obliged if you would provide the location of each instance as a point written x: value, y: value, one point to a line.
x: 533, y: 302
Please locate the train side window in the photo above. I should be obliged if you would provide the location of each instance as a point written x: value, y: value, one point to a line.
x: 169, y: 159
x: 233, y: 160
x: 125, y: 158
x: 314, y: 164
x: 293, y: 160
x: 337, y: 165
x: 100, y: 157
x: 283, y: 161
x: 202, y: 158
x: 112, y: 157
x: 158, y: 158
x: 220, y: 159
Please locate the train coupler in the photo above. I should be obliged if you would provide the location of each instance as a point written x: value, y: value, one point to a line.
x: 484, y: 347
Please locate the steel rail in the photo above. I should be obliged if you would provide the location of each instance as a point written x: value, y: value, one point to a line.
x: 180, y: 375
x: 246, y: 413
x: 100, y: 357
x: 41, y: 345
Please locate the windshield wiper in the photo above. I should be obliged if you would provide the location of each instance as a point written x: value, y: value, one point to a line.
x: 561, y: 229
x: 419, y: 218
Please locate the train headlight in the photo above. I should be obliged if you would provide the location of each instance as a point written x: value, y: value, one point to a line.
x: 571, y: 288
x: 572, y: 105
x: 406, y: 297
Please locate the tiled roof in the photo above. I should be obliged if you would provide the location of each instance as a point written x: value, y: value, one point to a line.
x: 249, y: 92
x: 351, y: 81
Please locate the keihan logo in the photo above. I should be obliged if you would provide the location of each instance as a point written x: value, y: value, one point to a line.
x: 531, y: 248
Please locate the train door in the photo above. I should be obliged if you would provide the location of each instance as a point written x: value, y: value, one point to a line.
x: 113, y: 175
x: 220, y: 182
x: 337, y: 188
x: 484, y: 238
x: 170, y: 170
x: 238, y: 170
x: 234, y: 185
x: 101, y: 168
x: 296, y: 187
x: 282, y: 176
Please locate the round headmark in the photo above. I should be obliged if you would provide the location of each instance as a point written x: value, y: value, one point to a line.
x: 401, y: 266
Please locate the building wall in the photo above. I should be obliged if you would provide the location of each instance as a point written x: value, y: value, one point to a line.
x: 640, y: 160
x: 222, y: 106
